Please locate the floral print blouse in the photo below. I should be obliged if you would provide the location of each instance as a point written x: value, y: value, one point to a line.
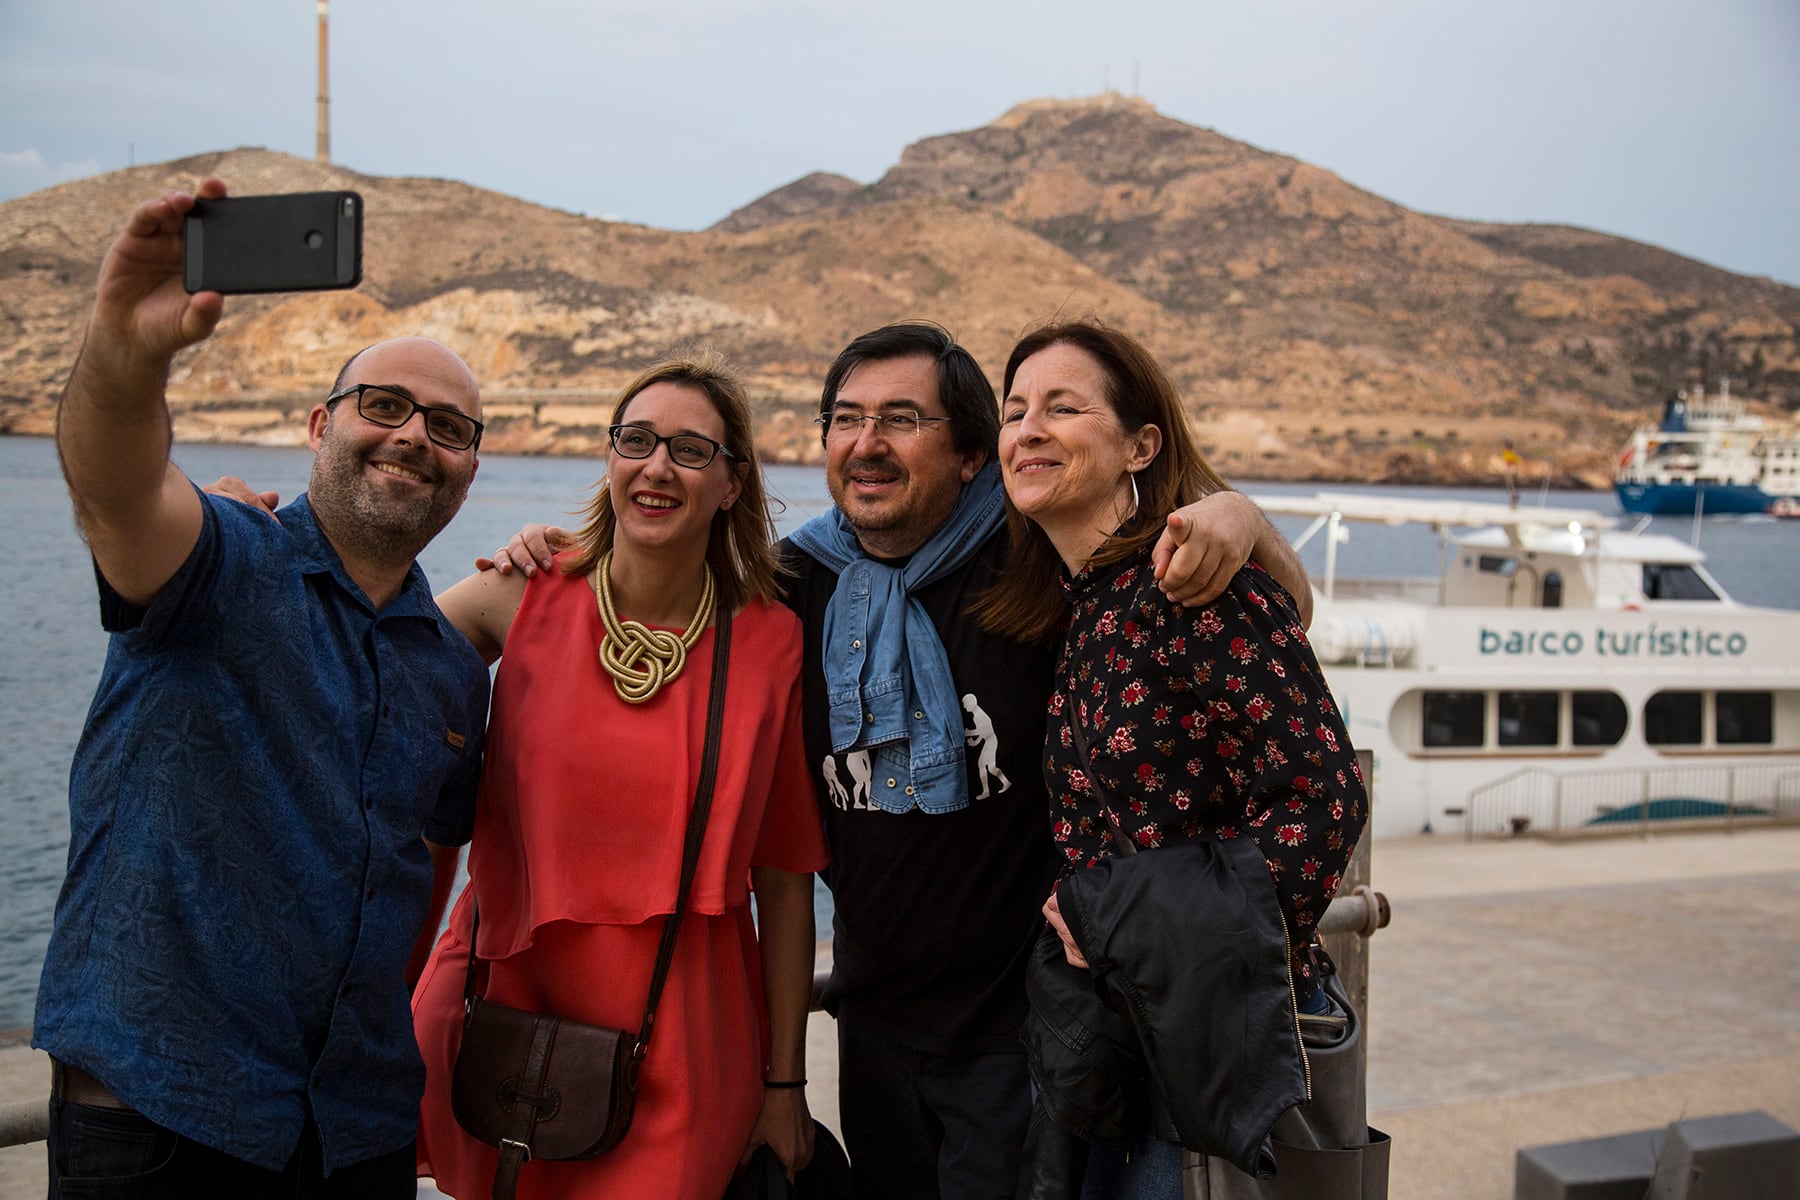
x: 1211, y: 721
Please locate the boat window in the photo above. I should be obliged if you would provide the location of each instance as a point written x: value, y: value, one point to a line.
x: 1674, y: 581
x: 1672, y: 719
x: 1596, y: 718
x: 1496, y: 564
x: 1552, y: 591
x: 1455, y: 718
x: 1744, y: 718
x: 1528, y: 718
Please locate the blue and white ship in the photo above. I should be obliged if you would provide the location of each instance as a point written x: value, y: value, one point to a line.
x: 1714, y: 457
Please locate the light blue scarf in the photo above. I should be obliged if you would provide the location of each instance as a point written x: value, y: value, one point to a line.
x: 887, y: 678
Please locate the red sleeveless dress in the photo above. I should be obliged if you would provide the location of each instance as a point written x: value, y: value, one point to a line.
x: 576, y: 858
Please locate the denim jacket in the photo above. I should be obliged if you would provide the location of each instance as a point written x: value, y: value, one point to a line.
x: 887, y: 678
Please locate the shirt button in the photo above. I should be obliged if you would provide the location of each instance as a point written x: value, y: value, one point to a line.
x: 369, y: 895
x: 909, y: 791
x: 869, y: 717
x: 856, y: 643
x: 892, y: 782
x: 918, y: 714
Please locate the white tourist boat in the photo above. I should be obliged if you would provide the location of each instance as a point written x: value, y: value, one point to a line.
x: 1558, y: 674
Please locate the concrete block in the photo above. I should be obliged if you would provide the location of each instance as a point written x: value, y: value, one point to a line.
x: 1738, y: 1156
x: 1608, y: 1168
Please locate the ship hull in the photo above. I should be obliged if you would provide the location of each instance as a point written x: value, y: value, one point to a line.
x: 1679, y: 499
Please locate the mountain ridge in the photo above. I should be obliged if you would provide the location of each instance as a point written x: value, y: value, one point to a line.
x: 1317, y: 329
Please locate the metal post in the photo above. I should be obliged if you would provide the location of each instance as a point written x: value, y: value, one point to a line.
x: 1332, y: 531
x: 24, y: 1121
x: 1350, y: 949
x: 323, y: 150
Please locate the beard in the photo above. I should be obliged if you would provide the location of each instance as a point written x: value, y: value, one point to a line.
x: 362, y: 518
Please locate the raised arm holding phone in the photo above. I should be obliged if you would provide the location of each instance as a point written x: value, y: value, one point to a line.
x: 283, y: 719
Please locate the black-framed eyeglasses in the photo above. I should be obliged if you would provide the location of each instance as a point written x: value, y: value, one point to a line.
x: 896, y: 423
x: 448, y: 427
x: 689, y: 450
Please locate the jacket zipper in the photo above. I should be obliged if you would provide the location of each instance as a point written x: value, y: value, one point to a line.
x: 1294, y: 1000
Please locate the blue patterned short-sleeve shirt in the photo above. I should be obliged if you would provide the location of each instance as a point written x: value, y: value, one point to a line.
x: 247, y: 873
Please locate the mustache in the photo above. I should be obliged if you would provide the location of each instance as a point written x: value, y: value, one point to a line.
x: 887, y: 466
x: 413, y: 458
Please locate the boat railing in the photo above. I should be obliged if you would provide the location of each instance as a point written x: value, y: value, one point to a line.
x: 1537, y: 800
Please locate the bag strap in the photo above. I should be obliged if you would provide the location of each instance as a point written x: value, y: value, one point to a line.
x: 690, y: 854
x: 1125, y: 846
x: 690, y: 851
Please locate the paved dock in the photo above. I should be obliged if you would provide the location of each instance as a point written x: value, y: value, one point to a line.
x: 1527, y: 992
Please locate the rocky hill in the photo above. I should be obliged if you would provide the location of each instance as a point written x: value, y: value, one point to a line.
x: 1318, y: 331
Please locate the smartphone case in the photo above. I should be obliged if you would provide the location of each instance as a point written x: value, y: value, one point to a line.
x: 299, y: 242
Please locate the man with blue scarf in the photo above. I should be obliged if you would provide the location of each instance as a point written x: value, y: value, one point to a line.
x: 936, y: 895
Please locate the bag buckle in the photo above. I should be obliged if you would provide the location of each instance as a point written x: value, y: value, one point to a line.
x: 520, y: 1146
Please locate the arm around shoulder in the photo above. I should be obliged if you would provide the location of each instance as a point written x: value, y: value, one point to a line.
x: 1205, y: 543
x: 1278, y: 558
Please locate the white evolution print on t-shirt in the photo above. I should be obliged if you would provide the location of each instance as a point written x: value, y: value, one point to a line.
x: 857, y: 794
x: 978, y: 735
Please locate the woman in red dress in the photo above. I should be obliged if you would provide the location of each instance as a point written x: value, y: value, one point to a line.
x: 594, y: 747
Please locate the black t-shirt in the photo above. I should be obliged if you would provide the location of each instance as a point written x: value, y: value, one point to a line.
x: 935, y: 912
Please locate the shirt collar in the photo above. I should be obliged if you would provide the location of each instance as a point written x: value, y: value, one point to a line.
x: 316, y: 556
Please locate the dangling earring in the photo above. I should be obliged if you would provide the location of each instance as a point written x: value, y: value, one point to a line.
x: 1132, y: 476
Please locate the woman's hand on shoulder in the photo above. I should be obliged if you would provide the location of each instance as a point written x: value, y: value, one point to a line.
x: 233, y: 488
x: 532, y: 549
x: 785, y: 1125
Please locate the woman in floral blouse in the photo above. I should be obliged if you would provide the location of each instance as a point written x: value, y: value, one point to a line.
x: 1166, y: 724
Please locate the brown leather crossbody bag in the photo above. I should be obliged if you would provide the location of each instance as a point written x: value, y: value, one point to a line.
x: 537, y: 1085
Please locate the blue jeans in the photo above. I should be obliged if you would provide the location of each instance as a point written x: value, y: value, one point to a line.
x: 1153, y: 1172
x: 123, y: 1155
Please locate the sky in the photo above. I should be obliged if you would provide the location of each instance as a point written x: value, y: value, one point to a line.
x: 1676, y: 124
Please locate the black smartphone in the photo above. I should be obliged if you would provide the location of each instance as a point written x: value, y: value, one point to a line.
x: 300, y: 242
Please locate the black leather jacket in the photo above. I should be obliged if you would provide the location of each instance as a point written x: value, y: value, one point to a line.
x: 1186, y: 1022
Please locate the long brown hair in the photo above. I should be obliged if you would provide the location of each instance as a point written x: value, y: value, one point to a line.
x: 1028, y: 602
x: 741, y: 546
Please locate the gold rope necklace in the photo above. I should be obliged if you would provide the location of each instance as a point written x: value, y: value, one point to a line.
x: 640, y: 659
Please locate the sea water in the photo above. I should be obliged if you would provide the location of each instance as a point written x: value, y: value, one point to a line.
x: 48, y: 674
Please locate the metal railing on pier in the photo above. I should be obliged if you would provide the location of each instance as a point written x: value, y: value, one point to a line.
x: 1537, y: 800
x: 1349, y: 922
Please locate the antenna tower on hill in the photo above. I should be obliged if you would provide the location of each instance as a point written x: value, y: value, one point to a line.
x: 323, y: 151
